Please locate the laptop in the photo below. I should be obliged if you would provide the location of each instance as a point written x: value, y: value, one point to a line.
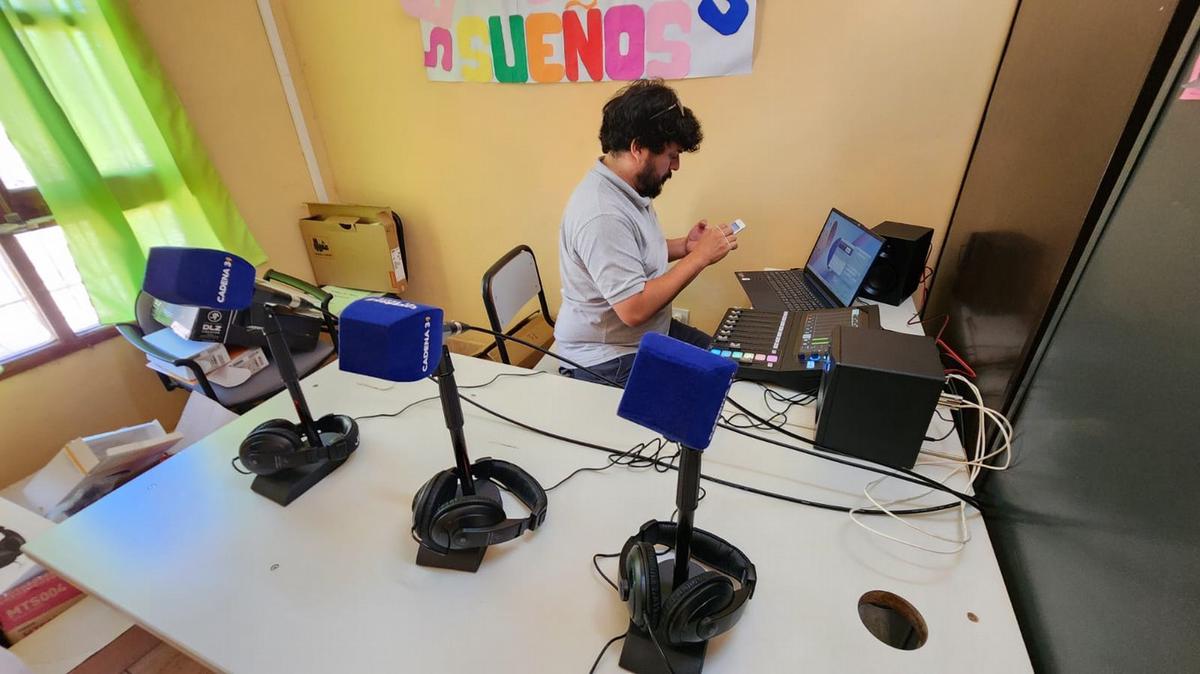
x: 836, y: 268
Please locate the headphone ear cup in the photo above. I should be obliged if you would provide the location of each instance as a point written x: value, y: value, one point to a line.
x: 436, y: 491
x: 699, y: 597
x: 645, y: 589
x: 461, y: 513
x: 267, y: 440
x: 10, y: 546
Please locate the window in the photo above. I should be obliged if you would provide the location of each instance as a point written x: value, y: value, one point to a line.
x: 44, y: 310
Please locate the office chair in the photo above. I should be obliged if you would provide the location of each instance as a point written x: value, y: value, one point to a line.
x: 508, y: 285
x: 263, y: 384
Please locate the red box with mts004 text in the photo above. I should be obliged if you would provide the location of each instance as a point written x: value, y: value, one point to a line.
x: 32, y: 604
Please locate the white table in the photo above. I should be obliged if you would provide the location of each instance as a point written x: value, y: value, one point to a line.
x: 329, y: 584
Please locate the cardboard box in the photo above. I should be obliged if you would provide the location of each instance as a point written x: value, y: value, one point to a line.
x: 360, y: 247
x: 87, y: 468
x: 534, y: 329
x: 32, y: 604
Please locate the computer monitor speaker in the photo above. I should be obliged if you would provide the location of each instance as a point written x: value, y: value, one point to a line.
x: 897, y: 271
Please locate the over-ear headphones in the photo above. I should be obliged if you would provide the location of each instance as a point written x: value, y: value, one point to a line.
x: 443, y: 521
x: 10, y: 546
x: 702, y: 607
x: 280, y: 444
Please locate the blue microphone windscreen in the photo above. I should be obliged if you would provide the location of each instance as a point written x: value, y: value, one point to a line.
x: 390, y: 339
x: 676, y: 389
x: 199, y: 277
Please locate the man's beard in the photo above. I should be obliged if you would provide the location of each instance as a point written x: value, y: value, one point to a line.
x: 650, y: 185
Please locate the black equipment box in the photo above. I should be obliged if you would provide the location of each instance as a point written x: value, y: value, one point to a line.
x: 235, y: 328
x: 878, y: 395
x: 787, y: 348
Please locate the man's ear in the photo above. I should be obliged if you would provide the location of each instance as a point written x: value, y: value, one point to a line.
x: 637, y: 151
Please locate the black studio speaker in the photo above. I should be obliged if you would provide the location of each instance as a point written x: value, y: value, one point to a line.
x: 877, y: 394
x: 897, y: 271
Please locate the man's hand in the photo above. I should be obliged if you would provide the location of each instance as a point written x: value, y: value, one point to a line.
x: 714, y: 243
x: 693, y: 237
x: 706, y: 245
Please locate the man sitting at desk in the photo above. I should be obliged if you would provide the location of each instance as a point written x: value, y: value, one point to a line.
x: 613, y: 256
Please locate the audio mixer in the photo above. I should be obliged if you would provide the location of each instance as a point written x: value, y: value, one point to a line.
x: 788, y: 348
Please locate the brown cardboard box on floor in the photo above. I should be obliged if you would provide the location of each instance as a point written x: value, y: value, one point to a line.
x: 354, y: 246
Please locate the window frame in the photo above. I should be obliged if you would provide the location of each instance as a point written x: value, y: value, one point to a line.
x: 31, y: 213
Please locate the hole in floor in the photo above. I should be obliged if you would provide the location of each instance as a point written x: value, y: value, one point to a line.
x: 892, y: 620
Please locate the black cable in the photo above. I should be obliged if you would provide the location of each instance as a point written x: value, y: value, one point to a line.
x: 596, y: 563
x: 396, y: 414
x: 948, y: 433
x: 630, y: 458
x: 898, y: 473
x: 603, y: 651
x: 491, y: 381
x: 914, y: 477
x: 666, y: 660
x: 547, y: 352
x: 233, y: 462
x: 422, y: 400
x: 716, y: 480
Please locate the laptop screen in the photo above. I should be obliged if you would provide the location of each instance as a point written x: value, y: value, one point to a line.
x: 842, y: 256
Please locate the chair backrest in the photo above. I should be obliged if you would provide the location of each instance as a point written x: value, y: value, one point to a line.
x: 143, y: 311
x: 507, y: 286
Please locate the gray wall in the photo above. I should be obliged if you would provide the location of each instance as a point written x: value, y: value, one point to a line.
x: 1097, y: 524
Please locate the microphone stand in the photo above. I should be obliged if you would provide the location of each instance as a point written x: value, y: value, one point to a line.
x: 687, y: 497
x: 287, y: 485
x: 647, y: 650
x: 469, y: 559
x: 278, y: 347
x: 452, y: 411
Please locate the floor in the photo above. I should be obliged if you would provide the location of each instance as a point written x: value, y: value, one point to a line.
x: 139, y: 652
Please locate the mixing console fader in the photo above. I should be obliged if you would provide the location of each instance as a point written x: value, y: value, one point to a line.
x: 785, y: 347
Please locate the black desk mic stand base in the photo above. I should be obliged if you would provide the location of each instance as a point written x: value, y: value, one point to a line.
x: 287, y: 485
x: 640, y: 655
x: 460, y: 560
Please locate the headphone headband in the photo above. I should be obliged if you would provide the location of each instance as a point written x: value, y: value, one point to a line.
x: 341, y: 425
x: 522, y: 485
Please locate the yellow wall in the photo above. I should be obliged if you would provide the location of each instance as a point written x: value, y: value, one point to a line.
x: 89, y: 391
x: 870, y: 106
x: 216, y: 55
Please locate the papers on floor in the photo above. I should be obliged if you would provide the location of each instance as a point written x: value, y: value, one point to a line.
x: 87, y: 468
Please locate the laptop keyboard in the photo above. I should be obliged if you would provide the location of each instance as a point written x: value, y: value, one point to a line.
x: 793, y: 291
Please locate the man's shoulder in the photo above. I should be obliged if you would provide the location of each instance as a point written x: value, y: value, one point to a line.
x: 593, y: 200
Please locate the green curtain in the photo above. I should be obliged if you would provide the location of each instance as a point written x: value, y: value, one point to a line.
x: 106, y: 139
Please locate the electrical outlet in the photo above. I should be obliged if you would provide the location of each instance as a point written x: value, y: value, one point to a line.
x: 682, y: 315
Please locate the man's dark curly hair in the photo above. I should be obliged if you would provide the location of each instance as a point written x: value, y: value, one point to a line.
x: 649, y: 112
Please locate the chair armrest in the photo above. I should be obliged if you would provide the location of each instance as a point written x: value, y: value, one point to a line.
x: 133, y: 334
x: 301, y: 285
x: 331, y: 321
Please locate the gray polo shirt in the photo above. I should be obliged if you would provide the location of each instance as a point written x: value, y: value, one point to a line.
x: 609, y: 245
